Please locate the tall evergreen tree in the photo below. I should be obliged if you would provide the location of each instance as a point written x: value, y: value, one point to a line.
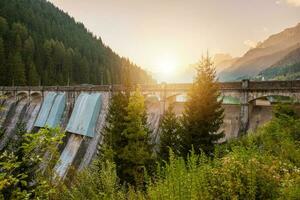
x: 137, y: 155
x: 3, y: 26
x: 203, y: 113
x: 114, y: 141
x: 3, y: 68
x: 28, y: 53
x: 33, y: 77
x: 169, y: 134
x: 17, y: 70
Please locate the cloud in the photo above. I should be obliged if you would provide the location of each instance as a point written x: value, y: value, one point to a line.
x: 295, y: 3
x: 250, y: 43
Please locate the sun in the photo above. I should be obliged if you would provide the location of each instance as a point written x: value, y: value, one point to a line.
x: 167, y: 65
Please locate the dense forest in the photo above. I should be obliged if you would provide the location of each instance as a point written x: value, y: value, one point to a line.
x: 287, y: 72
x: 42, y: 45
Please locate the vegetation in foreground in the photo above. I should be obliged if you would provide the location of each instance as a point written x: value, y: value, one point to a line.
x: 262, y: 165
x: 26, y: 165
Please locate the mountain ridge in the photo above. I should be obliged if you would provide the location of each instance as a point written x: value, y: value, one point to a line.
x: 268, y: 52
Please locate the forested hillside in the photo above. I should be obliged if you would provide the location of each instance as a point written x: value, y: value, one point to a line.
x: 40, y: 44
x: 286, y: 69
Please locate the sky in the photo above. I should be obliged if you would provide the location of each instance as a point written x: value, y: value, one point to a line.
x: 166, y: 36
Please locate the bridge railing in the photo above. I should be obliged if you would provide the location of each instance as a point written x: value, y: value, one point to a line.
x: 251, y: 85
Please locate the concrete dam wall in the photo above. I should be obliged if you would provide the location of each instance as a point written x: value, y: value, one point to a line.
x: 81, y: 115
x: 81, y: 111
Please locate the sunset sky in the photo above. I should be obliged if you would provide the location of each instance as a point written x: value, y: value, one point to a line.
x: 171, y: 34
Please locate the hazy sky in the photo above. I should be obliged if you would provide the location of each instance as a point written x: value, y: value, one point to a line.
x: 176, y: 32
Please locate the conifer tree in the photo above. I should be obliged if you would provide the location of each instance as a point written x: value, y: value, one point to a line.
x: 28, y: 53
x: 17, y: 69
x: 169, y: 134
x: 137, y: 155
x: 3, y: 69
x: 3, y: 26
x: 203, y: 113
x: 33, y: 77
x: 114, y: 141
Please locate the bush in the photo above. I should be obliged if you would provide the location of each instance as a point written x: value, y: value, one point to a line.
x: 25, y: 170
x: 100, y: 181
x: 262, y: 165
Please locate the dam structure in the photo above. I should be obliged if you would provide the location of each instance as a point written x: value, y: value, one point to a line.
x: 81, y: 111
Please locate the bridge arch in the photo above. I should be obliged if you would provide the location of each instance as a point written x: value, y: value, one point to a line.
x: 267, y: 95
x: 152, y: 97
x: 231, y: 100
x: 35, y: 95
x: 22, y: 95
x: 7, y: 94
x: 177, y: 97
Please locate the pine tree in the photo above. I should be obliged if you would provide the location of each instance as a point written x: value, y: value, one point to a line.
x: 114, y: 141
x: 170, y: 134
x: 84, y: 71
x: 33, y: 77
x: 3, y: 68
x: 203, y: 113
x: 17, y: 69
x: 28, y: 53
x: 137, y: 155
x: 3, y: 26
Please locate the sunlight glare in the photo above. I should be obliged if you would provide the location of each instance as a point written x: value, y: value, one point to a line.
x: 167, y: 66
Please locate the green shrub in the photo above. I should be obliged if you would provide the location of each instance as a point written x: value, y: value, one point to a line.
x: 100, y: 181
x: 261, y: 165
x: 25, y: 171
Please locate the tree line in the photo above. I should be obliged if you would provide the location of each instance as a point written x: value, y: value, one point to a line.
x: 42, y: 45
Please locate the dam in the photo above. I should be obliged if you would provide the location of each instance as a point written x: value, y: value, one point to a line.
x: 81, y: 111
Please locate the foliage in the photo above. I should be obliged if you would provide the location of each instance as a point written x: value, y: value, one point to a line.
x: 262, y: 165
x: 27, y: 172
x: 40, y: 44
x: 114, y: 141
x: 170, y: 130
x: 203, y: 113
x: 100, y: 181
x: 137, y: 155
x: 127, y: 141
x: 281, y: 72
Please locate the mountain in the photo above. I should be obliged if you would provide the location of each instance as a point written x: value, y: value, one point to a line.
x: 41, y: 44
x: 223, y: 61
x: 287, y: 68
x: 265, y: 54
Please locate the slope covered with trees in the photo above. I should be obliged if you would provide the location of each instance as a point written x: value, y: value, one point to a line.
x: 40, y: 44
x: 287, y: 68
